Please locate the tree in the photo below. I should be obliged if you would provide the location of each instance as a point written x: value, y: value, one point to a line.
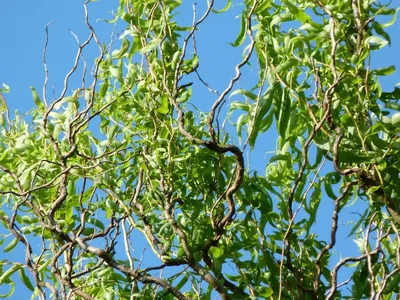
x: 128, y: 155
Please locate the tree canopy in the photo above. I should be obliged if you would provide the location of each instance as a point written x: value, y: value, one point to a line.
x: 147, y: 151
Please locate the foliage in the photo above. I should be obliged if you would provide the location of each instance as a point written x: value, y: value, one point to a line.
x: 129, y: 154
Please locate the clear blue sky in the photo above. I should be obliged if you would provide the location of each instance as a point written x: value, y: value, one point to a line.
x: 22, y: 31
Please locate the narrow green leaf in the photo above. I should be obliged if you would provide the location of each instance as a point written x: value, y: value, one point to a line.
x: 103, y: 89
x: 346, y: 156
x: 264, y: 104
x: 379, y: 30
x: 164, y: 101
x: 5, y: 88
x: 121, y: 52
x: 240, y: 122
x: 191, y: 65
x: 375, y: 40
x: 11, y: 291
x: 267, y: 121
x: 285, y: 157
x: 44, y: 265
x: 245, y: 93
x: 329, y: 190
x: 25, y: 279
x: 182, y: 157
x: 136, y: 45
x: 392, y: 105
x: 285, y: 65
x: 384, y: 71
x: 242, y: 33
x: 69, y: 211
x: 217, y: 266
x: 36, y: 99
x: 392, y: 21
x: 184, y: 95
x: 281, y: 18
x: 297, y: 13
x: 227, y: 6
x: 359, y: 222
x: 7, y: 274
x: 284, y: 114
x: 372, y: 190
x: 11, y: 245
x: 182, y: 282
x: 394, y: 284
x: 150, y: 46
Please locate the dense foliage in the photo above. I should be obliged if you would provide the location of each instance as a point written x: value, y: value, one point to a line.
x: 128, y: 159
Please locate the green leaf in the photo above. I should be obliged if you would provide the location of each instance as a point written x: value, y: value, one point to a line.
x: 263, y: 106
x: 25, y: 279
x: 375, y: 41
x: 284, y: 114
x: 285, y: 157
x: 372, y: 190
x: 281, y: 18
x: 182, y: 282
x: 37, y: 100
x: 379, y: 30
x: 227, y: 6
x: 10, y: 292
x: 136, y: 46
x: 359, y: 222
x: 217, y: 251
x: 264, y: 292
x: 396, y: 118
x: 96, y: 222
x: 191, y: 64
x: 7, y: 274
x: 184, y: 95
x: 392, y: 105
x: 384, y: 71
x: 88, y: 231
x: 346, y: 156
x: 240, y: 122
x: 392, y: 21
x: 360, y: 242
x: 217, y: 263
x: 181, y: 158
x: 150, y: 46
x: 163, y: 109
x: 244, y: 92
x: 11, y: 245
x: 111, y: 204
x: 285, y: 65
x: 242, y: 33
x: 44, y: 265
x: 103, y: 89
x: 329, y: 190
x: 5, y: 88
x: 297, y: 13
x: 121, y: 52
x: 393, y: 284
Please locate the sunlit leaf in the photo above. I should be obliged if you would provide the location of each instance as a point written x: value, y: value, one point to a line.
x: 242, y: 34
x: 36, y: 99
x: 224, y: 9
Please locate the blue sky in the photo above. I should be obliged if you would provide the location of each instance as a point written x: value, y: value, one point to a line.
x: 22, y: 29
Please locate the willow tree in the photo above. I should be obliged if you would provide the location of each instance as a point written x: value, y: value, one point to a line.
x: 127, y: 161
